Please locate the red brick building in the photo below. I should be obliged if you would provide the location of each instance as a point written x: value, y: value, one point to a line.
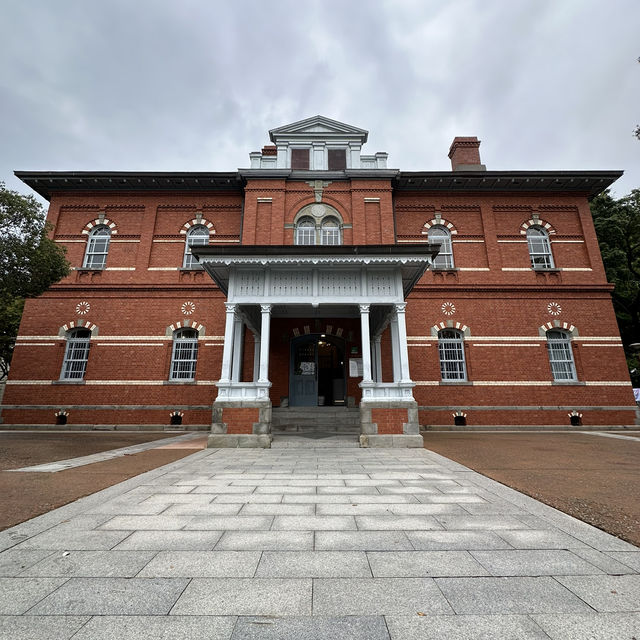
x: 319, y: 276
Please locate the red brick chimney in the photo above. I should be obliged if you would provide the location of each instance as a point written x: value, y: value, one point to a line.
x: 269, y: 150
x: 465, y: 154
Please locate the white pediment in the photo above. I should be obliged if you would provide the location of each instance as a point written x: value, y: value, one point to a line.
x: 318, y: 127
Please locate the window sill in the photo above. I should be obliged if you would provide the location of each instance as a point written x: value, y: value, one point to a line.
x: 546, y: 269
x: 179, y: 382
x: 68, y: 382
x: 90, y: 269
x: 564, y: 383
x: 445, y: 269
x: 466, y: 383
x: 191, y: 269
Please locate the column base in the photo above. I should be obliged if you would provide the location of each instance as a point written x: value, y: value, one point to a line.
x: 240, y: 423
x: 383, y: 420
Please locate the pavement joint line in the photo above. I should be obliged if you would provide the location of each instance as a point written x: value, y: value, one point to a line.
x: 72, y: 463
x: 609, y: 435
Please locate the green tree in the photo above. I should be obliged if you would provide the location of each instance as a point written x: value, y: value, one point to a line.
x: 30, y: 262
x: 617, y: 224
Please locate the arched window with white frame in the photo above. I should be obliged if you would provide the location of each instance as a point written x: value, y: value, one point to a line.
x: 197, y: 236
x: 330, y: 231
x: 306, y: 231
x: 441, y: 235
x: 95, y: 256
x: 451, y: 353
x: 539, y: 248
x: 184, y: 355
x: 563, y: 367
x: 76, y: 354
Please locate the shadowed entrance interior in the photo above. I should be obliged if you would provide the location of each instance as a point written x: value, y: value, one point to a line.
x: 317, y: 371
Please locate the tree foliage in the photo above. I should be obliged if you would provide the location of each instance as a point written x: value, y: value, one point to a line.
x: 617, y: 224
x: 30, y: 262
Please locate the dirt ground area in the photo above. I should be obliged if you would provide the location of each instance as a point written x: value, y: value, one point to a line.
x: 593, y: 478
x: 24, y: 495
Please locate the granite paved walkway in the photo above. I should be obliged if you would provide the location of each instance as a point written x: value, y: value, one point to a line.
x: 315, y: 543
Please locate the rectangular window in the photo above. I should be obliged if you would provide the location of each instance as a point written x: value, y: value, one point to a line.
x: 75, y: 359
x: 561, y: 360
x: 337, y: 159
x: 300, y: 159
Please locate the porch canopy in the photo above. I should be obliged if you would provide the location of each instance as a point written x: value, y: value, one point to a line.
x: 371, y: 281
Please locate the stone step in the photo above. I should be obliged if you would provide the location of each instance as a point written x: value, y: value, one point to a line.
x: 307, y: 419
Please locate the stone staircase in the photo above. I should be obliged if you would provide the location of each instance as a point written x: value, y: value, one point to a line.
x: 338, y: 420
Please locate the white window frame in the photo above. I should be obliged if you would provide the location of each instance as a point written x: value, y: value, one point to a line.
x: 453, y: 366
x: 539, y: 247
x: 440, y: 234
x: 326, y: 231
x: 194, y: 238
x: 184, y: 355
x: 76, y: 354
x: 95, y: 256
x: 561, y: 360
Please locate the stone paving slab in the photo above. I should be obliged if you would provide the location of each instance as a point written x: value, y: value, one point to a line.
x: 246, y: 597
x: 503, y: 627
x: 315, y: 543
x: 157, y: 628
x: 40, y: 627
x: 375, y: 596
x: 112, y: 596
x: 345, y: 628
x: 314, y: 564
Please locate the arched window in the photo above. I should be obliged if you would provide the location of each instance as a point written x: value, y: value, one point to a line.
x: 539, y: 248
x: 563, y: 367
x: 184, y: 355
x: 442, y: 235
x: 306, y: 231
x: 95, y: 256
x: 76, y: 354
x: 451, y: 352
x: 197, y: 236
x: 330, y: 231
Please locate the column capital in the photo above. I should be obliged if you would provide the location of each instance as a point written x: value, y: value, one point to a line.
x: 400, y: 307
x: 265, y: 308
x: 231, y: 307
x: 364, y: 308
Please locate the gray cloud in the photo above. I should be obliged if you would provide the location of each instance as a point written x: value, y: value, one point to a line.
x: 195, y: 85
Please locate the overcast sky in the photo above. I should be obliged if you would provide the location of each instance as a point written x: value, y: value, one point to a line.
x: 196, y: 85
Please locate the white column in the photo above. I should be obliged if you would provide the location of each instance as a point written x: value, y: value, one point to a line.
x: 256, y: 357
x: 366, y: 343
x: 265, y: 327
x: 378, y: 357
x: 403, y: 351
x: 238, y: 344
x: 395, y: 348
x: 227, y: 350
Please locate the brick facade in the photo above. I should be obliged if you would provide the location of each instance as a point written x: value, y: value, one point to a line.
x: 503, y: 305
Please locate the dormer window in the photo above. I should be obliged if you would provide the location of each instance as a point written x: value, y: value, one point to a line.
x: 300, y: 159
x: 337, y: 159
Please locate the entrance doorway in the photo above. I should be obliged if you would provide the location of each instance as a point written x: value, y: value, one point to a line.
x: 317, y: 374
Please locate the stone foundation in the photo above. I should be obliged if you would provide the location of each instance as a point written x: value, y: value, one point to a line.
x: 241, y: 423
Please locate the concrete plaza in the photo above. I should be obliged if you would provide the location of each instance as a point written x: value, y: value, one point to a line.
x: 310, y: 542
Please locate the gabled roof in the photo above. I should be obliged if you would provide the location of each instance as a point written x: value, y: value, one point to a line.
x: 318, y: 126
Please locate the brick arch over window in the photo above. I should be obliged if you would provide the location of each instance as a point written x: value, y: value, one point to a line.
x: 185, y: 324
x: 98, y: 222
x: 439, y: 221
x: 194, y: 223
x: 557, y: 324
x: 78, y: 324
x: 547, y: 226
x: 450, y: 324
